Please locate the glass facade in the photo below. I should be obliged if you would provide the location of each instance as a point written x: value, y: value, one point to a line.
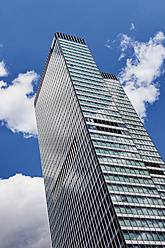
x: 81, y: 213
x: 104, y: 178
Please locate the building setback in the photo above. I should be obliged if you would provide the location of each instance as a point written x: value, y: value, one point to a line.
x: 104, y: 178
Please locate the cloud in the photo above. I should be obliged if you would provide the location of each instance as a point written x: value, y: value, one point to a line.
x: 3, y: 70
x: 125, y: 41
x: 122, y: 55
x: 132, y: 27
x: 2, y: 84
x: 139, y: 76
x: 23, y: 213
x: 107, y: 44
x: 16, y: 104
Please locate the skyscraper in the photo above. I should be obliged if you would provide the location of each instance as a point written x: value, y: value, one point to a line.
x: 104, y: 178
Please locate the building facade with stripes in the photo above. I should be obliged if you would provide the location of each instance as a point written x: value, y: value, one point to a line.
x: 104, y: 178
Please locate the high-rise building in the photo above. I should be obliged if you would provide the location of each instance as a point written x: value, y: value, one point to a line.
x: 104, y: 178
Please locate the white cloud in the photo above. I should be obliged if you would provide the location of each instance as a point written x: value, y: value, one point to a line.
x: 125, y: 41
x: 107, y: 44
x: 23, y: 213
x: 2, y: 84
x: 122, y: 55
x: 3, y: 70
x: 141, y: 71
x: 132, y: 27
x: 16, y: 104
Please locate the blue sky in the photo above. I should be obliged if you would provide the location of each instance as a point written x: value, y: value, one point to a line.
x: 126, y: 38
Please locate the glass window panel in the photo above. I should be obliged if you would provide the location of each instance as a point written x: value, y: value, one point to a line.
x: 161, y: 237
x: 127, y: 222
x: 155, y: 236
x: 132, y: 235
x: 122, y: 210
x: 129, y: 210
